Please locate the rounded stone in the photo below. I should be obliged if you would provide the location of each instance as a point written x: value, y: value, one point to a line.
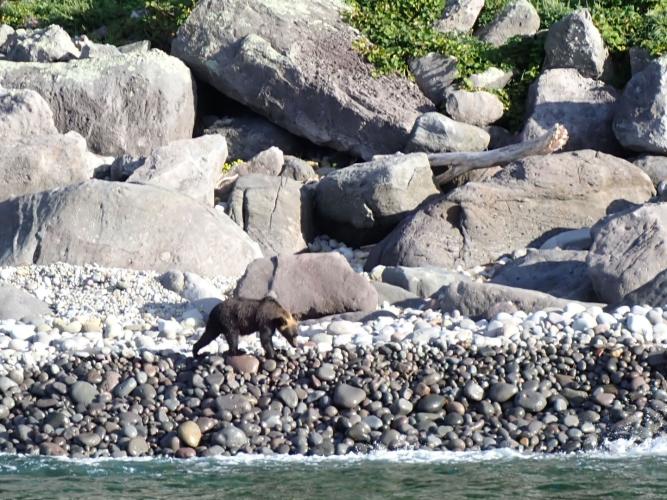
x: 185, y: 452
x: 125, y: 387
x: 326, y: 372
x: 502, y: 391
x: 83, y: 392
x: 531, y: 400
x: 244, y: 363
x: 137, y: 446
x: 288, y: 396
x: 189, y: 433
x: 473, y: 391
x: 89, y: 439
x: 431, y: 404
x: 348, y: 396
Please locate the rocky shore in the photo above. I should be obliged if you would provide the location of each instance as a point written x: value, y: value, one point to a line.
x: 117, y: 381
x: 519, y: 304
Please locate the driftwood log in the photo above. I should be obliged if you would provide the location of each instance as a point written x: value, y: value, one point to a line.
x: 460, y: 163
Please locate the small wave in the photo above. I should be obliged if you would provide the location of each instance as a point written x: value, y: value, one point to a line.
x: 610, y: 450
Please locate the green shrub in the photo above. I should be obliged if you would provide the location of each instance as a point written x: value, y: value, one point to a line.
x: 396, y: 30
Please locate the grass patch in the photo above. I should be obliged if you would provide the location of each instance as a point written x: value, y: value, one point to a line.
x: 125, y: 20
x: 396, y: 30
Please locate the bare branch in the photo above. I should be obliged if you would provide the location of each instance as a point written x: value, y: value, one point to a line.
x: 460, y: 163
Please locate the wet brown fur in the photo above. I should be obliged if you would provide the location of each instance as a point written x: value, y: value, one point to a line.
x: 236, y: 316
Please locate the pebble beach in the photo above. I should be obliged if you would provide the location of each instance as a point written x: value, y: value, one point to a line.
x: 110, y: 374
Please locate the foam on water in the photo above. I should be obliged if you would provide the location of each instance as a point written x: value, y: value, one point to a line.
x: 610, y: 450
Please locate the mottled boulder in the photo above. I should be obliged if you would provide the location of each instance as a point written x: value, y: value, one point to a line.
x: 437, y: 133
x: 584, y: 106
x: 475, y: 299
x: 310, y: 285
x: 125, y: 104
x: 575, y: 42
x: 50, y: 44
x: 628, y: 251
x: 363, y: 202
x: 640, y: 123
x: 459, y: 16
x: 248, y: 135
x: 653, y: 166
x: 189, y: 166
x: 434, y: 73
x: 518, y: 18
x: 122, y: 225
x: 476, y: 108
x: 23, y: 113
x: 561, y: 273
x: 17, y: 304
x: 36, y: 163
x: 277, y: 212
x: 93, y: 50
x: 521, y: 206
x: 294, y: 62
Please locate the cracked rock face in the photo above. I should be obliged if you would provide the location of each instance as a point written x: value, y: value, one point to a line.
x: 361, y: 203
x: 275, y: 211
x: 294, y: 63
x: 519, y: 207
x: 122, y: 225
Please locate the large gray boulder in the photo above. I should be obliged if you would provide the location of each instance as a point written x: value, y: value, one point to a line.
x: 125, y: 104
x: 476, y: 108
x: 575, y: 42
x: 277, y: 212
x: 42, y: 162
x: 249, y: 135
x: 521, y: 206
x: 640, y: 123
x: 628, y: 251
x: 518, y: 18
x: 23, y: 113
x: 475, y: 299
x: 44, y: 45
x: 561, y: 273
x: 653, y: 293
x: 434, y: 73
x: 361, y: 203
x: 437, y: 133
x: 294, y: 62
x: 18, y: 304
x: 189, y: 166
x: 653, y: 166
x: 584, y: 106
x: 459, y: 16
x: 309, y: 285
x: 122, y: 225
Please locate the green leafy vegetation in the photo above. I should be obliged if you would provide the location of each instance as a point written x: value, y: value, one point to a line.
x: 123, y: 20
x: 394, y: 31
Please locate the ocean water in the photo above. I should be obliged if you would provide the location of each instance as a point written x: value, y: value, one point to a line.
x: 622, y: 470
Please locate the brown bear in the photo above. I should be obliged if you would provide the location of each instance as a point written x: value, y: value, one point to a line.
x: 235, y: 317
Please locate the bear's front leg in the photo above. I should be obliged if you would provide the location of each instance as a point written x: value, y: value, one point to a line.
x: 266, y: 338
